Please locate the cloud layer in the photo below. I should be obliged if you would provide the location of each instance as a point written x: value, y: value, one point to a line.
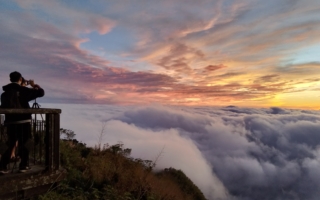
x: 229, y: 152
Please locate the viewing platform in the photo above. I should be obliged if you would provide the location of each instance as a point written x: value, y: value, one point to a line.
x: 44, y: 158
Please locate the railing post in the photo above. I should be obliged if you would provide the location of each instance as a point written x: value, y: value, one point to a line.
x: 52, y: 140
x: 49, y: 142
x: 56, y: 141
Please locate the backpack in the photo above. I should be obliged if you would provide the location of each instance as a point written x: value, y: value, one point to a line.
x: 10, y: 99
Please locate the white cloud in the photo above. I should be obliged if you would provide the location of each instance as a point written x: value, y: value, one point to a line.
x: 230, y: 153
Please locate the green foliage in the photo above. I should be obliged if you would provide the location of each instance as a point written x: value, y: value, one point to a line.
x: 111, y: 174
x: 68, y: 134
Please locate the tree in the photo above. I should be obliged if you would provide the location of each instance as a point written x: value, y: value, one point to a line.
x: 68, y: 134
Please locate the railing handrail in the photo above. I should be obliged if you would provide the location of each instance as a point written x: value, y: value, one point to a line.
x: 30, y: 111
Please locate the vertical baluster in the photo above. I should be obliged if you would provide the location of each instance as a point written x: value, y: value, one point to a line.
x: 40, y: 141
x: 34, y: 135
x: 49, y: 141
x: 56, y: 141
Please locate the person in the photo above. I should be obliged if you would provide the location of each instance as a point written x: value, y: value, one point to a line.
x: 18, y: 125
x: 13, y: 156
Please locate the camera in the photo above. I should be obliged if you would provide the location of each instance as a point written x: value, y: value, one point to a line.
x: 25, y: 82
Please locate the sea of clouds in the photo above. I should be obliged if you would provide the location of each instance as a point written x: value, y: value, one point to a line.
x: 231, y: 153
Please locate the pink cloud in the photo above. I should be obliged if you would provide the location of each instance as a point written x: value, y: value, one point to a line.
x: 71, y: 19
x: 176, y: 45
x: 211, y: 68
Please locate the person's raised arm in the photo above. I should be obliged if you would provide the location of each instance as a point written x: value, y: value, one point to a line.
x: 35, y: 92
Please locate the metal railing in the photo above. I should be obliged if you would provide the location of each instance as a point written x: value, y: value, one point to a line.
x: 45, y: 137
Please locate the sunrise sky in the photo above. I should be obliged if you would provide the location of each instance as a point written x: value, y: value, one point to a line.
x: 174, y: 52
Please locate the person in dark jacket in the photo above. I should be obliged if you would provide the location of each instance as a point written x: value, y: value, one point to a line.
x: 18, y: 125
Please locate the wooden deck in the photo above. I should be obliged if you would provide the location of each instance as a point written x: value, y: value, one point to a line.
x: 37, y: 180
x: 14, y: 171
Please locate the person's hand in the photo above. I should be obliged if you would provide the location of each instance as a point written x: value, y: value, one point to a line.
x: 32, y: 83
x: 36, y: 86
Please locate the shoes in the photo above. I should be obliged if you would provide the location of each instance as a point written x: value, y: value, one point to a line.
x: 4, y: 171
x: 24, y: 169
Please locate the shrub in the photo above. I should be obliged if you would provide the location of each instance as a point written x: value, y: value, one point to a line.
x: 111, y: 174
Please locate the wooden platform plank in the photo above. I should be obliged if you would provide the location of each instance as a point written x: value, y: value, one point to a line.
x: 25, y: 184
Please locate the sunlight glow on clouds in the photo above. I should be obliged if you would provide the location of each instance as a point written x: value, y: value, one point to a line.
x: 214, y: 52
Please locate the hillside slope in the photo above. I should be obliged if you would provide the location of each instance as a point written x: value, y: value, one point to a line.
x: 111, y: 174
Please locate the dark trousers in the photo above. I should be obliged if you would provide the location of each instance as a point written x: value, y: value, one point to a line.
x: 22, y: 134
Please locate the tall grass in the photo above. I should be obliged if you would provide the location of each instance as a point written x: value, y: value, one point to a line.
x: 110, y: 173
